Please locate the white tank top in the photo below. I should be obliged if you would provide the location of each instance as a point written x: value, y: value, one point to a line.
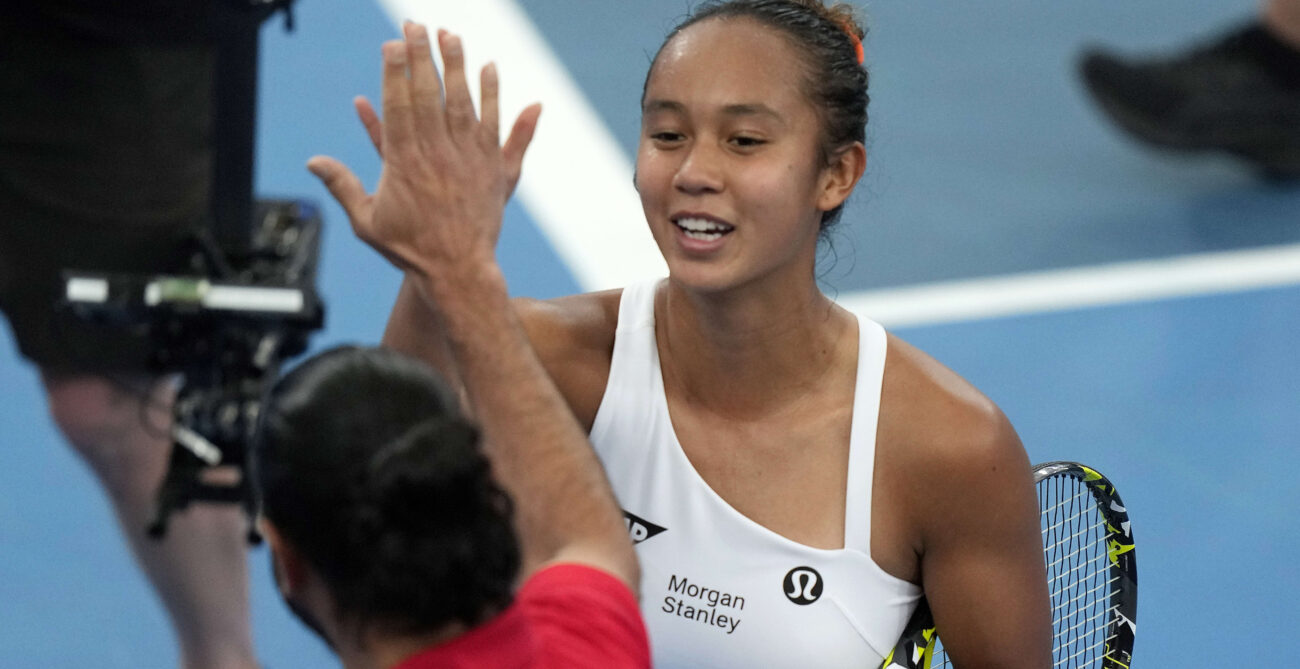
x: 717, y: 589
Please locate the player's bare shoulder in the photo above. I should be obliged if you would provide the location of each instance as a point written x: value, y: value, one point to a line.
x: 940, y: 415
x: 938, y: 432
x: 574, y: 338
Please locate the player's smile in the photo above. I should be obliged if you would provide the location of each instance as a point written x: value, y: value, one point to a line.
x: 701, y: 233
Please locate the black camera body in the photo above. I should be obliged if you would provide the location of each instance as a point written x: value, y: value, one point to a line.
x: 246, y: 299
x: 226, y: 328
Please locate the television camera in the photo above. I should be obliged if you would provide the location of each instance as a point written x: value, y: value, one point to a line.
x: 226, y: 328
x: 247, y: 301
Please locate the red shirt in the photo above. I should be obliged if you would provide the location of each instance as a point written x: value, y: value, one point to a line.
x: 566, y: 616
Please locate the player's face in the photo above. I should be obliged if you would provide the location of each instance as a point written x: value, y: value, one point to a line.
x: 729, y: 169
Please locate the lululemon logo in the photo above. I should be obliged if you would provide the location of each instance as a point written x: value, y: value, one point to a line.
x: 803, y: 585
x: 639, y: 529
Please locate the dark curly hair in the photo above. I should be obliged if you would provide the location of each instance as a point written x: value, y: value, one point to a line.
x: 834, y: 81
x: 364, y: 463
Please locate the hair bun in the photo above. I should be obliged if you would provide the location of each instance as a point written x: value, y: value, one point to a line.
x: 424, y: 477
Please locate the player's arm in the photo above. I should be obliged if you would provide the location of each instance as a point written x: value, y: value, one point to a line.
x: 436, y: 214
x: 982, y: 554
x: 573, y: 336
x: 415, y: 329
x: 963, y: 482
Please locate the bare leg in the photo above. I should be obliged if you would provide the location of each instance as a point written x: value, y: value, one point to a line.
x: 1282, y: 18
x: 200, y: 570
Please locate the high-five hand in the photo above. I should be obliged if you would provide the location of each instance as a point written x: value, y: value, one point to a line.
x: 445, y: 175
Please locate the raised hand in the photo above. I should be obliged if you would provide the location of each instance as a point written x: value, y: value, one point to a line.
x: 512, y: 151
x: 445, y: 175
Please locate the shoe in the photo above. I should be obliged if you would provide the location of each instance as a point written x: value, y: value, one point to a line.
x: 1229, y: 96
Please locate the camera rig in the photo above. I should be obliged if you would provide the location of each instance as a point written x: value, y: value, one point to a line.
x: 247, y: 301
x: 226, y: 329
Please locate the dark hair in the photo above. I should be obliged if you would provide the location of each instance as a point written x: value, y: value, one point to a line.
x: 365, y: 465
x: 834, y: 81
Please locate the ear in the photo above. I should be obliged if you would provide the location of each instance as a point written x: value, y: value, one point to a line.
x: 289, y: 567
x: 841, y: 176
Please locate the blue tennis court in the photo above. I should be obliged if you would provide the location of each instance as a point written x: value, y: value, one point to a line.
x: 1134, y: 311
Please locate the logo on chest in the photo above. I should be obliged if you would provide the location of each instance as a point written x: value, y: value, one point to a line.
x: 639, y: 529
x: 802, y: 585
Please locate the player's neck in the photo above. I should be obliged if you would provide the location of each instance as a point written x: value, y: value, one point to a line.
x: 747, y: 351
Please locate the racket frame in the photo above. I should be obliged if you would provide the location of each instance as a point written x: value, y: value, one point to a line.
x: 917, y: 647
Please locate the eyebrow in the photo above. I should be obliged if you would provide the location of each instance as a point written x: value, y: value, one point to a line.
x: 662, y: 106
x: 740, y: 109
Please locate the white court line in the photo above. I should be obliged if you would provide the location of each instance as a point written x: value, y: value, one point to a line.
x: 576, y: 183
x: 577, y: 186
x: 1061, y: 290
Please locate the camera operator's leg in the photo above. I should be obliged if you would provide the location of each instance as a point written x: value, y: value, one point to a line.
x: 199, y: 569
x: 107, y: 140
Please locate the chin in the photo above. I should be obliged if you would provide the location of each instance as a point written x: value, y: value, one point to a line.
x: 716, y: 279
x: 704, y: 278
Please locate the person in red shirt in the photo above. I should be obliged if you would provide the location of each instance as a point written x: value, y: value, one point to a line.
x: 399, y: 526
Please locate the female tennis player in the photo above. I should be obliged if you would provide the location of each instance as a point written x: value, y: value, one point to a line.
x: 794, y: 477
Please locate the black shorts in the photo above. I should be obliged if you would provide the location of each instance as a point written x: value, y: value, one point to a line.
x: 105, y: 166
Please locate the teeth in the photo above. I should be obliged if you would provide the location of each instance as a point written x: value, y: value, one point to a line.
x: 708, y: 229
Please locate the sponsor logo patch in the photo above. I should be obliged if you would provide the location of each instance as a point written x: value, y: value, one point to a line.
x: 802, y: 585
x: 639, y: 529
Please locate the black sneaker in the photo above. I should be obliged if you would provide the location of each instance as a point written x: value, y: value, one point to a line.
x: 1240, y: 95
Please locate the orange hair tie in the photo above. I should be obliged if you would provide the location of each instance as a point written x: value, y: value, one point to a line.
x: 857, y: 48
x: 847, y: 27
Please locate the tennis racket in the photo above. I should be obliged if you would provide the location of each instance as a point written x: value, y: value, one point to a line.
x: 1091, y: 574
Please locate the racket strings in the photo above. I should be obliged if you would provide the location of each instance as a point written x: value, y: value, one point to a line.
x: 1091, y: 642
x: 1083, y: 587
x: 1057, y: 566
x: 1076, y: 541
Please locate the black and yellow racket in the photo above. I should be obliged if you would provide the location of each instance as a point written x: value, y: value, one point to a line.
x: 1091, y: 574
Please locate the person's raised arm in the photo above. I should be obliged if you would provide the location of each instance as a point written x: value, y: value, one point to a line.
x: 436, y: 214
x: 413, y: 328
